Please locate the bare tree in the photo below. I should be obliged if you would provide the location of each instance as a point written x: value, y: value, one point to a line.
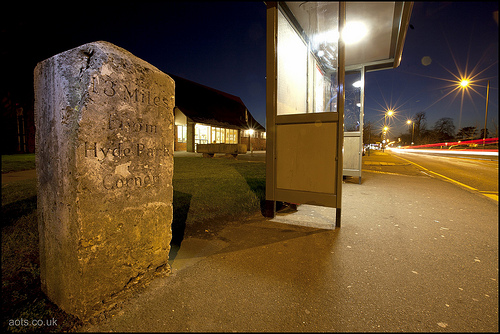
x: 420, y: 126
x: 444, y: 129
x: 495, y: 128
x: 368, y: 136
x: 468, y: 132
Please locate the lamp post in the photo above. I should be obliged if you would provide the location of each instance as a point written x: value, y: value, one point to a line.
x: 412, y: 130
x: 387, y: 113
x: 486, y: 112
x: 250, y: 134
x: 384, y: 133
x: 465, y: 84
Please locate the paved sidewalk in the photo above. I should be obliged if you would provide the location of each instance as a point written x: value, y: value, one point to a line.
x: 249, y: 156
x: 414, y: 253
x: 18, y: 176
x: 384, y: 162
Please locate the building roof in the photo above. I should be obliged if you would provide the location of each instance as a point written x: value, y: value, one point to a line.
x: 207, y: 105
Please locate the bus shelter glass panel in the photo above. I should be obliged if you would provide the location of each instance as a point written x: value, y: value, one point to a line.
x: 353, y: 123
x: 307, y: 58
x: 306, y: 121
x: 352, y: 107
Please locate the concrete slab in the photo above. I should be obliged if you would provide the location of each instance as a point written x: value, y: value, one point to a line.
x: 310, y: 216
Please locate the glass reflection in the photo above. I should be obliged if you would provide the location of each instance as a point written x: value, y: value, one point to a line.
x: 352, y: 107
x: 307, y: 52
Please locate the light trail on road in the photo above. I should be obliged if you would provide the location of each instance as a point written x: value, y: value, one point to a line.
x: 477, y: 175
x: 447, y: 152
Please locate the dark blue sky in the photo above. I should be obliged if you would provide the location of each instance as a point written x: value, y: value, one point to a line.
x: 222, y: 45
x: 458, y: 38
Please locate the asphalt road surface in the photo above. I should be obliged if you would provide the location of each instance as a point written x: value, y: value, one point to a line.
x: 475, y: 173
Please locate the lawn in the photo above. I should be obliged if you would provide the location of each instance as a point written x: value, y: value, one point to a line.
x: 207, y: 194
x: 215, y: 190
x: 17, y: 162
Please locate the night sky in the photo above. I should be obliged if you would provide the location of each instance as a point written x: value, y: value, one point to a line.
x: 458, y: 38
x: 222, y: 45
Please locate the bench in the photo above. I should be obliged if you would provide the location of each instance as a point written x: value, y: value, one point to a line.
x: 209, y: 150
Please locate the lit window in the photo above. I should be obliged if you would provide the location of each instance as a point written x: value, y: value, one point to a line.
x: 201, y: 134
x: 181, y: 133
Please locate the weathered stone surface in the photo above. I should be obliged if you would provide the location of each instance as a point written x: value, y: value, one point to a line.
x: 104, y: 155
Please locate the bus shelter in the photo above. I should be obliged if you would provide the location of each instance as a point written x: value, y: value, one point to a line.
x: 317, y: 56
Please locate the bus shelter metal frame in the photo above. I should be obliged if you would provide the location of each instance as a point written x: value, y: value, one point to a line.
x: 335, y: 120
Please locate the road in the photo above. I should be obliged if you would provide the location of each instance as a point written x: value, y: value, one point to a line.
x: 475, y: 173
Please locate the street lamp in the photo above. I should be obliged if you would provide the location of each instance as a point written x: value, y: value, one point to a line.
x: 250, y: 134
x: 389, y: 113
x: 384, y: 136
x: 486, y: 112
x: 465, y: 84
x: 412, y: 130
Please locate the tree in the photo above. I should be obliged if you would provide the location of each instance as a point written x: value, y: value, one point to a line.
x: 368, y: 136
x: 495, y: 128
x: 420, y: 126
x: 468, y: 132
x: 481, y: 134
x: 428, y: 137
x: 444, y: 129
x: 405, y: 138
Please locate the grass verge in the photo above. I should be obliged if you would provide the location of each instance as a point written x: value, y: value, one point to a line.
x: 207, y: 194
x: 210, y: 191
x: 17, y: 162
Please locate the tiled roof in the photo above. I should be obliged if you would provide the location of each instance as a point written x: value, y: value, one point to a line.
x: 207, y: 105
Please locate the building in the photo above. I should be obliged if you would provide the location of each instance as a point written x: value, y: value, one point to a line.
x: 204, y: 115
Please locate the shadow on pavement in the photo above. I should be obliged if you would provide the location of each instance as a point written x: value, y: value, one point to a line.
x: 257, y: 183
x: 181, y: 204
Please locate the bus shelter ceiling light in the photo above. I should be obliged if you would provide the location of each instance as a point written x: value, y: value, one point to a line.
x: 357, y: 84
x: 354, y: 32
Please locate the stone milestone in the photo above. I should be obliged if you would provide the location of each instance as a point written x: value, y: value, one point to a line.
x: 104, y: 156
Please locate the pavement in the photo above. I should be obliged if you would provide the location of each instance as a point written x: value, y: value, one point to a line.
x: 249, y: 156
x: 18, y: 176
x: 414, y: 253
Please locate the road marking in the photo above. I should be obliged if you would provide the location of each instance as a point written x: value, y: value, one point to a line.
x: 492, y: 196
x: 379, y: 163
x: 380, y: 172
